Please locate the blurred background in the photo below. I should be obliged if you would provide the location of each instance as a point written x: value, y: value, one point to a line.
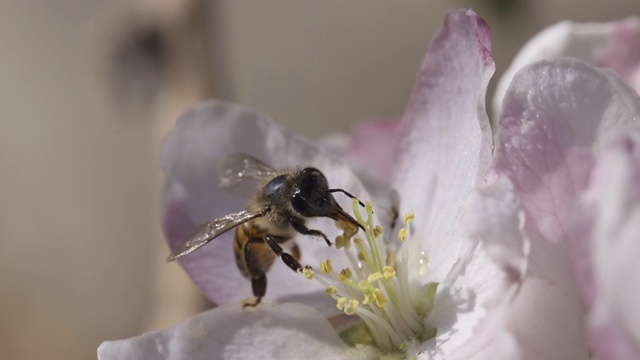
x: 89, y: 88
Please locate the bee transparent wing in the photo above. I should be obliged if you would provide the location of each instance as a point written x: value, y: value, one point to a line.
x: 211, y: 230
x: 243, y: 173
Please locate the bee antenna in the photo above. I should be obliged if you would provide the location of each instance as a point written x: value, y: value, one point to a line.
x: 346, y: 193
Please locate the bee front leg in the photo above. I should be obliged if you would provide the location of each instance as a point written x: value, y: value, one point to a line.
x: 299, y: 227
x: 286, y: 257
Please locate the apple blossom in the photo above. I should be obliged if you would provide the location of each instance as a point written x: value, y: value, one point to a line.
x: 480, y: 267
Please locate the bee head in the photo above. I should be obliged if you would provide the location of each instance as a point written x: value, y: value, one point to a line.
x: 311, y: 197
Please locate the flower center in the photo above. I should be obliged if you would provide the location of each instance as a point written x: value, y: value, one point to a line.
x: 376, y: 286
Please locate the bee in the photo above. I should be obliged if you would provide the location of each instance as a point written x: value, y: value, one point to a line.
x: 278, y: 210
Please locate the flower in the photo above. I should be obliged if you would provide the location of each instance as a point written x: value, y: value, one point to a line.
x: 555, y: 134
x: 482, y: 268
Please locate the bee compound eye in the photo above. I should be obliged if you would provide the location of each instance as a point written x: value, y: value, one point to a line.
x: 274, y: 188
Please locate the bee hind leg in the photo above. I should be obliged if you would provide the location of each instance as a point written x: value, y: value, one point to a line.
x: 259, y: 287
x: 255, y: 272
x: 286, y: 257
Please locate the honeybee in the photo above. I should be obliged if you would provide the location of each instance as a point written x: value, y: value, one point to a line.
x: 278, y: 210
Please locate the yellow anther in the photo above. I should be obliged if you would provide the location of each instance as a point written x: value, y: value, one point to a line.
x: 308, y: 273
x: 368, y: 207
x: 377, y: 230
x: 325, y: 267
x: 375, y: 277
x: 358, y: 241
x: 408, y: 218
x: 379, y: 297
x: 342, y: 301
x: 345, y: 274
x: 331, y: 290
x: 368, y: 299
x: 339, y: 242
x: 361, y: 256
x: 350, y: 230
x: 402, y: 235
x: 351, y: 307
x: 389, y: 272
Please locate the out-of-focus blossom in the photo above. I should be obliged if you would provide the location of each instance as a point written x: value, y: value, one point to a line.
x: 557, y: 118
x: 607, y: 239
x: 483, y: 269
x: 613, y: 45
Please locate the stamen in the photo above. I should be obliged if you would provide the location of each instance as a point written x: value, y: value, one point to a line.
x: 351, y: 307
x: 409, y: 217
x: 308, y: 273
x: 402, y: 234
x: 325, y: 267
x: 376, y: 285
x: 391, y: 259
x: 368, y: 299
x: 375, y: 277
x: 379, y: 297
x: 341, y: 303
x: 389, y: 272
x: 345, y: 274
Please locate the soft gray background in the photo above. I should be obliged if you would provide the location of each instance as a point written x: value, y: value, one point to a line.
x: 81, y: 255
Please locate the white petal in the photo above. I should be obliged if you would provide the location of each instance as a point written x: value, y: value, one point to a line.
x: 495, y: 218
x: 471, y: 311
x: 287, y: 331
x: 468, y: 310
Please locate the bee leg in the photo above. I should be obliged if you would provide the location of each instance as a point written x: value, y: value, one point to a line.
x: 259, y: 287
x: 295, y: 251
x: 258, y: 278
x: 305, y: 231
x: 286, y: 257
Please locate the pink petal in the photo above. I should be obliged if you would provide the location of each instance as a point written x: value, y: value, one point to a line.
x: 444, y: 149
x: 445, y: 137
x: 614, y: 45
x: 613, y: 201
x: 372, y: 150
x: 556, y: 116
x: 290, y: 331
x: 191, y: 156
x: 622, y: 54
